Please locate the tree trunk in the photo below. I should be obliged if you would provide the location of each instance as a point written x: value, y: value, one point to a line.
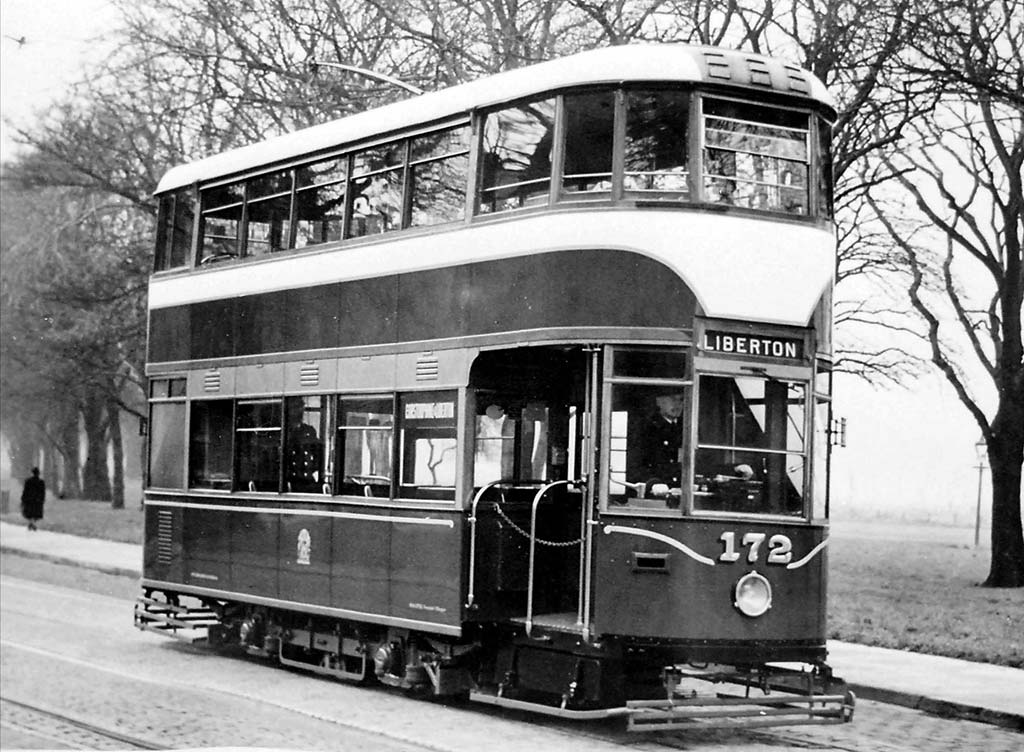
x: 1006, y: 455
x: 96, y: 478
x: 69, y: 485
x: 114, y: 420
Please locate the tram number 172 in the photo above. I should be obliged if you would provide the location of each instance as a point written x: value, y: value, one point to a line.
x: 780, y: 547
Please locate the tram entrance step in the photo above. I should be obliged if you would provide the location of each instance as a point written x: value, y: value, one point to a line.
x: 556, y: 622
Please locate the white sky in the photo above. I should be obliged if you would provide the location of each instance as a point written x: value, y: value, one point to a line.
x: 906, y: 449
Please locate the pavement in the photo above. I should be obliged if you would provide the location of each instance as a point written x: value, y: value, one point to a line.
x: 942, y: 686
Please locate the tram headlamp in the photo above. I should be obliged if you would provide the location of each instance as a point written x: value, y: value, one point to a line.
x: 753, y: 594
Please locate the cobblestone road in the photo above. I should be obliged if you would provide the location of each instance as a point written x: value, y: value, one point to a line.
x: 74, y: 649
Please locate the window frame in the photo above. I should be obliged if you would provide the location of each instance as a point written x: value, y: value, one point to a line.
x: 801, y: 375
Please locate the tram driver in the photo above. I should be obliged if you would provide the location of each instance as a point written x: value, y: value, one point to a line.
x: 655, y: 460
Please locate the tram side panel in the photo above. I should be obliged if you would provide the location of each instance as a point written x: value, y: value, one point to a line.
x: 649, y: 587
x: 402, y: 566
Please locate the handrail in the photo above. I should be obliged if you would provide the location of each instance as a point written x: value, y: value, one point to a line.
x: 471, y: 595
x: 533, y: 547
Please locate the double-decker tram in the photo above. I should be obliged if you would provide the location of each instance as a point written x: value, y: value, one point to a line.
x: 517, y: 390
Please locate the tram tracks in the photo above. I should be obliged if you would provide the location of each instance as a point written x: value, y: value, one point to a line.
x: 54, y: 725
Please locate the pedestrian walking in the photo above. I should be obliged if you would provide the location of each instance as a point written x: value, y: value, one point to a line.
x: 33, y: 496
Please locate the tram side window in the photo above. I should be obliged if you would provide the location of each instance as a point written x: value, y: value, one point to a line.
x: 511, y: 440
x: 376, y: 190
x: 320, y: 201
x: 756, y: 157
x: 516, y: 158
x: 268, y: 208
x: 167, y: 433
x: 305, y: 422
x: 439, y: 169
x: 221, y: 222
x: 427, y: 445
x: 751, y: 454
x: 174, y: 229
x: 656, y: 160
x: 589, y: 136
x: 210, y: 444
x: 365, y: 440
x: 258, y: 445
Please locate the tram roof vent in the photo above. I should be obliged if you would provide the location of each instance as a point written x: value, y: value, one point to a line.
x: 718, y: 66
x: 797, y: 79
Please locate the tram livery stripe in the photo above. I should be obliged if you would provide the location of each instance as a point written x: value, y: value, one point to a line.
x: 303, y: 513
x: 814, y: 552
x: 609, y: 529
x: 566, y: 288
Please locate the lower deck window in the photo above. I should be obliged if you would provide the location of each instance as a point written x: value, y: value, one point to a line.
x: 365, y: 431
x: 210, y: 444
x: 258, y: 445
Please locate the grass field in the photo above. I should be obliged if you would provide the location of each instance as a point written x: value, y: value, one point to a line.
x: 908, y: 587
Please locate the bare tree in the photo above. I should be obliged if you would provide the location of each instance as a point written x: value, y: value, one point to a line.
x: 962, y: 173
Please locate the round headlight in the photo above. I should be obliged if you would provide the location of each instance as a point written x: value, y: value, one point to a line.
x: 753, y: 594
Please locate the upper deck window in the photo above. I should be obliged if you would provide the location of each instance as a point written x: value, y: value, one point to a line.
x: 438, y: 175
x: 268, y: 201
x: 516, y: 159
x: 756, y: 157
x: 589, y: 137
x: 320, y: 201
x: 221, y: 222
x: 656, y: 158
x: 376, y: 186
x: 174, y: 229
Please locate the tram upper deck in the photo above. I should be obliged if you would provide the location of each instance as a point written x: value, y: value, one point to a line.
x: 566, y: 194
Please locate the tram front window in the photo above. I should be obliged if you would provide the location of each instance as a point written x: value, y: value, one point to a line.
x: 751, y: 454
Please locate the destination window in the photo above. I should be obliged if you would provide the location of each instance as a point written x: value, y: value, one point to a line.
x: 756, y: 157
x: 751, y: 455
x: 427, y: 445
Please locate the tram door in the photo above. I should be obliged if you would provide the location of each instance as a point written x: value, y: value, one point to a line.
x: 533, y: 438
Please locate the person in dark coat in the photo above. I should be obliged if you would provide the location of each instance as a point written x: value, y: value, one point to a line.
x: 33, y: 495
x: 657, y: 460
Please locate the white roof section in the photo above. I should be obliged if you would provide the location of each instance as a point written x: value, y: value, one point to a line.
x: 610, y: 65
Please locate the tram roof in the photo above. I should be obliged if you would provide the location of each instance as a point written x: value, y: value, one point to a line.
x: 610, y: 65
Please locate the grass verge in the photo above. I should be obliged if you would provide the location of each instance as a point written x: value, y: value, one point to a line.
x: 888, y: 588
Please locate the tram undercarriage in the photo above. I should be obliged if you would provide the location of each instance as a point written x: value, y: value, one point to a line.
x: 552, y: 672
